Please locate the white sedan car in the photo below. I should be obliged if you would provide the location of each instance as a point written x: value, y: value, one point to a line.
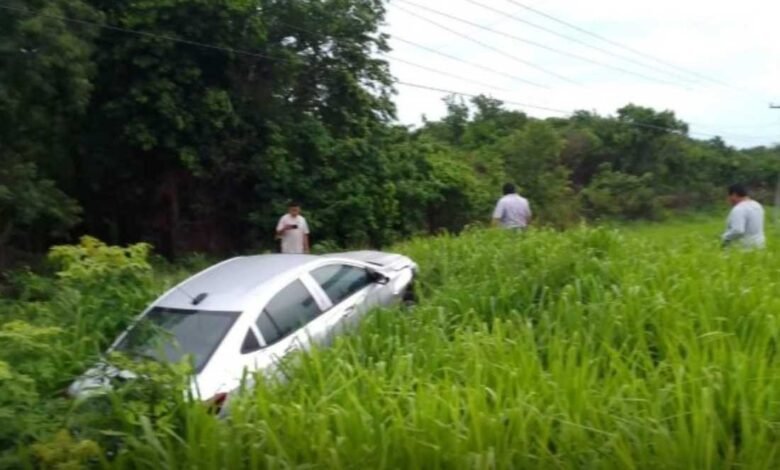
x: 246, y: 313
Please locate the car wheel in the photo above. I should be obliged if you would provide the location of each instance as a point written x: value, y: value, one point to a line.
x: 409, y: 299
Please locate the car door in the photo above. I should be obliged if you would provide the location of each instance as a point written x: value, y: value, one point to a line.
x: 289, y: 322
x: 349, y: 290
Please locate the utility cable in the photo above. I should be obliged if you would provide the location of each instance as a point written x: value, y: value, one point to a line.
x: 484, y: 45
x: 529, y: 42
x: 578, y: 41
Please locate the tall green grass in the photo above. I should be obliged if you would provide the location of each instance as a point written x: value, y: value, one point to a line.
x: 587, y: 349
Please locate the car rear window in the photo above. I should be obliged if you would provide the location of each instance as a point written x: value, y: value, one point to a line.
x: 168, y: 335
x: 340, y: 281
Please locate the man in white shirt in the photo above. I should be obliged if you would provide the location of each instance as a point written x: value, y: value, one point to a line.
x: 745, y: 225
x: 512, y: 211
x: 293, y: 231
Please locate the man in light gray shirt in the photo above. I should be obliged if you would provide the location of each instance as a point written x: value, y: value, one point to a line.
x: 512, y: 211
x: 745, y: 224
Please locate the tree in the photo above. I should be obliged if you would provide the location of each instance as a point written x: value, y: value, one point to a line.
x: 329, y: 132
x: 193, y: 139
x: 451, y: 128
x: 647, y: 140
x: 533, y: 161
x: 190, y: 124
x: 491, y: 123
x: 614, y: 194
x: 30, y: 204
x: 45, y: 72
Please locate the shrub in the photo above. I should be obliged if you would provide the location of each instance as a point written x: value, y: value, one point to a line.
x: 55, y: 327
x: 64, y: 452
x: 613, y: 194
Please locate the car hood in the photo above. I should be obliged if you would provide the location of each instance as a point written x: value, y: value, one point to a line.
x: 103, y: 377
x: 98, y: 380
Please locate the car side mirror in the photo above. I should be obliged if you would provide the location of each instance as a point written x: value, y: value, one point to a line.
x: 377, y: 277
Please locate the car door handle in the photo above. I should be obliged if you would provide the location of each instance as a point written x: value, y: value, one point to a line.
x: 349, y: 310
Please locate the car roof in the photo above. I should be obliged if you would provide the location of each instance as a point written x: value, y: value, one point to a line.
x: 228, y: 284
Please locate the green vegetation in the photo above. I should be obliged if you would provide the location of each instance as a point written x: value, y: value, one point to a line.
x: 633, y: 345
x: 131, y: 137
x: 643, y: 347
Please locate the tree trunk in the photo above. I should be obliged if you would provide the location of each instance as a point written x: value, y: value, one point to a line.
x: 175, y: 215
x: 167, y: 215
x: 5, y: 236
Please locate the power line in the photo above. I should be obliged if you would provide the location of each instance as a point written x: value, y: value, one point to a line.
x: 557, y: 110
x: 449, y: 44
x: 533, y: 43
x: 748, y: 127
x: 264, y: 56
x: 486, y: 46
x: 244, y: 52
x: 469, y: 63
x: 615, y: 43
x: 576, y: 40
x: 471, y: 95
x: 229, y: 49
x: 729, y: 133
x: 189, y: 42
x: 442, y: 72
x: 443, y: 54
x: 449, y: 56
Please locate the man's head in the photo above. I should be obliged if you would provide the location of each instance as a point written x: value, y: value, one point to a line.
x: 737, y: 194
x: 509, y: 188
x: 294, y: 208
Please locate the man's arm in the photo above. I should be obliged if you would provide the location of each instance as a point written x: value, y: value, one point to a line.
x: 736, y: 228
x: 306, y: 248
x: 498, y: 213
x: 530, y: 214
x: 281, y: 227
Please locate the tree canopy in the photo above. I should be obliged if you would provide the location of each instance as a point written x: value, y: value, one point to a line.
x: 190, y: 124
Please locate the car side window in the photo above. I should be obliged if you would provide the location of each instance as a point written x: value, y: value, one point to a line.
x: 340, y: 281
x: 290, y: 309
x: 250, y: 344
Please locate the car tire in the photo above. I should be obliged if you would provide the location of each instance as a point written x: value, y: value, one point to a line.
x: 409, y: 299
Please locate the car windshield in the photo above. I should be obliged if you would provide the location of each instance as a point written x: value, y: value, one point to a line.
x: 170, y: 334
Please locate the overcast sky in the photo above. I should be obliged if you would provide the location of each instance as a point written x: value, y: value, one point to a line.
x: 732, y: 42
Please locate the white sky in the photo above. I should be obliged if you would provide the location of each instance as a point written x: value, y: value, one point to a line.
x: 736, y: 43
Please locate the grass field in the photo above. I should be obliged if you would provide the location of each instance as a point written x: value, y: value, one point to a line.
x: 647, y: 347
